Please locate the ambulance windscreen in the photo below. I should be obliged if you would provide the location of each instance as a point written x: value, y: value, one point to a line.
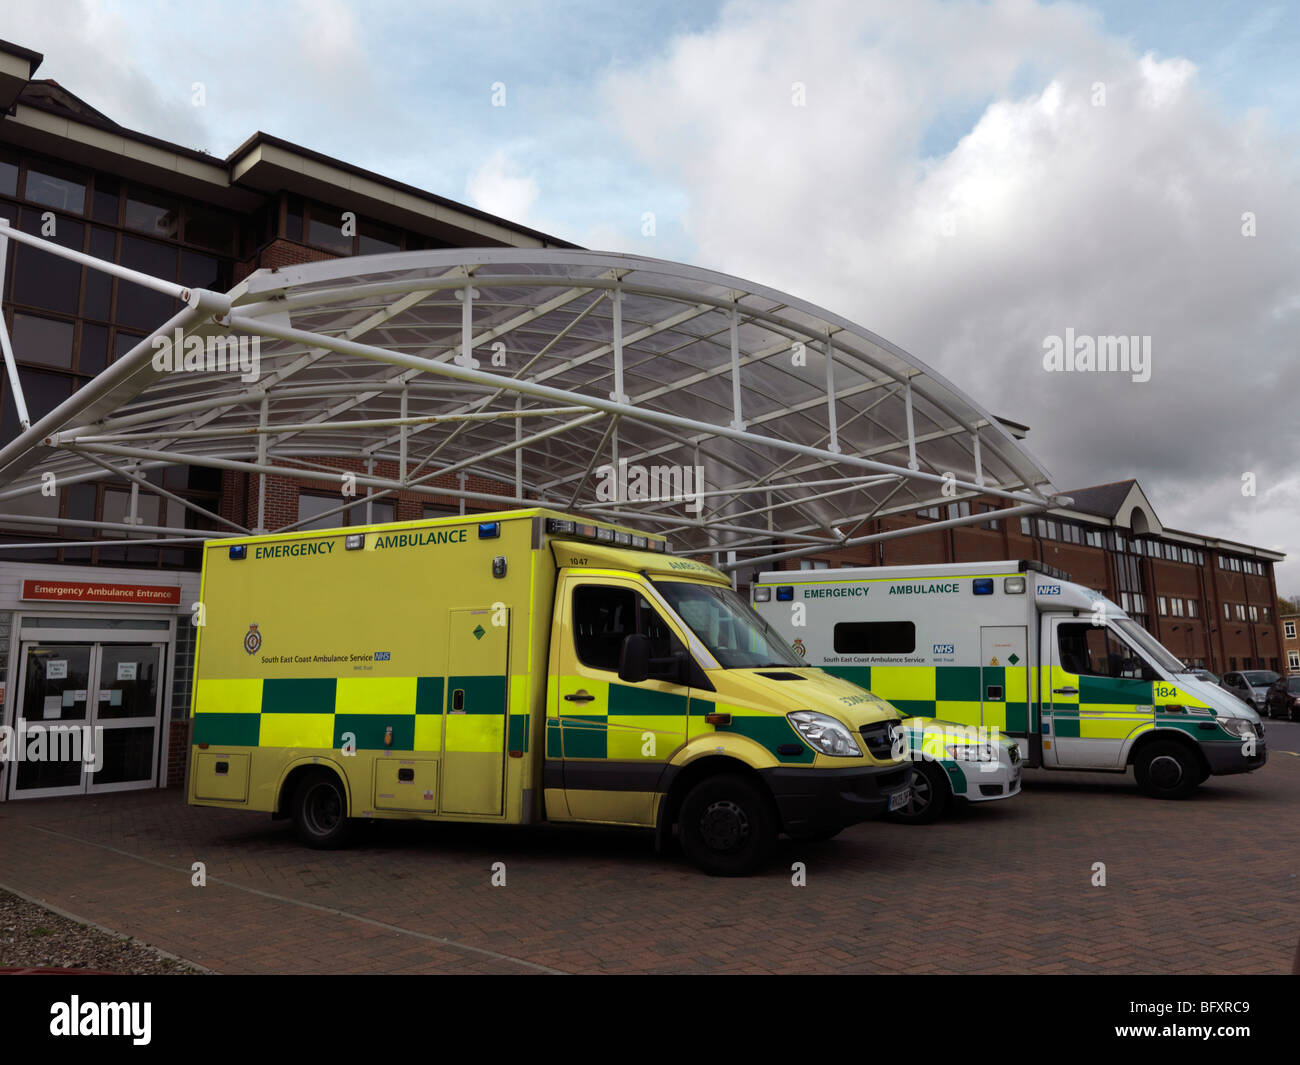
x: 728, y: 626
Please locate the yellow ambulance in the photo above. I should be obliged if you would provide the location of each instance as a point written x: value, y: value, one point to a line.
x: 515, y: 668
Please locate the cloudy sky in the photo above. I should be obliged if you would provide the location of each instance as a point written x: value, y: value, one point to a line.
x: 966, y: 179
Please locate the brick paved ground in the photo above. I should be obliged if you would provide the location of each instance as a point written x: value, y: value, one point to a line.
x: 1204, y: 886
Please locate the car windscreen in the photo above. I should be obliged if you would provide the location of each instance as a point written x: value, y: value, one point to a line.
x: 1260, y: 678
x: 1293, y: 684
x: 728, y: 626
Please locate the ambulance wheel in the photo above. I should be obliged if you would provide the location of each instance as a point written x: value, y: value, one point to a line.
x: 1167, y: 771
x: 931, y: 795
x: 727, y: 826
x: 320, y: 807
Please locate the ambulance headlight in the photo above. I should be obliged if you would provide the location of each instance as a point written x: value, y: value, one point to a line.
x: 1237, y: 726
x: 823, y: 733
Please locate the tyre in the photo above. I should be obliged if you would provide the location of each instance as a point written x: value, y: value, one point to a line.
x: 728, y: 826
x: 320, y: 807
x: 931, y: 796
x: 1167, y: 770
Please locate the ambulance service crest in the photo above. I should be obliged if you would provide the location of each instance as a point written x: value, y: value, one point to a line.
x: 797, y: 645
x: 252, y: 639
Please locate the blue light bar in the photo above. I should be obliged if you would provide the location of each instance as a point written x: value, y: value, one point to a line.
x: 784, y: 593
x: 239, y: 551
x: 983, y: 585
x: 489, y: 530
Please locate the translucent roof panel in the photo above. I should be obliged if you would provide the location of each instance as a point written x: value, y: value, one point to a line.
x: 785, y: 421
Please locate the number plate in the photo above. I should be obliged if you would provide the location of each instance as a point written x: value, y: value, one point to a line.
x: 900, y: 799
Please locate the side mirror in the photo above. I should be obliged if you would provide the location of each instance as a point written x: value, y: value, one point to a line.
x: 634, y: 661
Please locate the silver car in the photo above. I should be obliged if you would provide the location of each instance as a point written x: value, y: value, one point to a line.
x: 1250, y: 686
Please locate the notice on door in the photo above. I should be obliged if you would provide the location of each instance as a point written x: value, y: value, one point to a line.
x: 56, y: 669
x: 53, y: 707
x: 126, y: 670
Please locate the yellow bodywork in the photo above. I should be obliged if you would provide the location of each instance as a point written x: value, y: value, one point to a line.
x: 434, y: 684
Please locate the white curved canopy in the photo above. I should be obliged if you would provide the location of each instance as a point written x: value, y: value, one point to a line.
x: 541, y: 370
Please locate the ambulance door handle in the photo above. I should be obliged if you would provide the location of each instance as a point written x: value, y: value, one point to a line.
x: 579, y: 697
x: 1065, y: 691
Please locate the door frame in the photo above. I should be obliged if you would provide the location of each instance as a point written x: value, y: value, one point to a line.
x: 164, y: 639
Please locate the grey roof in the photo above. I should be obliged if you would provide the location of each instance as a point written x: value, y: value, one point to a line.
x: 1101, y: 499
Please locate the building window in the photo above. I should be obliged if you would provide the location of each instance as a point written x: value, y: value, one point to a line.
x: 1293, y: 660
x: 928, y: 512
x: 1241, y: 611
x: 993, y: 524
x: 57, y: 187
x: 1191, y: 608
x: 325, y: 230
x: 1024, y: 527
x: 1264, y: 611
x: 1178, y: 608
x: 1289, y: 627
x: 959, y: 510
x: 813, y: 563
x: 1164, y: 606
x: 1254, y: 613
x: 1227, y: 612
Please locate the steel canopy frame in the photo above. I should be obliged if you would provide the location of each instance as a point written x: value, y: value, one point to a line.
x: 782, y: 428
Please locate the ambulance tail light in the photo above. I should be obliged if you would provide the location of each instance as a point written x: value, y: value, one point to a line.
x: 354, y: 541
x: 763, y: 593
x: 1014, y: 585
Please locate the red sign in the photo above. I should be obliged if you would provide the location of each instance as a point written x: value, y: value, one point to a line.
x: 100, y: 592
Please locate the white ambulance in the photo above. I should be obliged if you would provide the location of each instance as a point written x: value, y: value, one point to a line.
x: 1018, y: 647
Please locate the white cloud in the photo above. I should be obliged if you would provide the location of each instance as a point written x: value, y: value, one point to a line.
x: 498, y: 188
x: 1048, y: 213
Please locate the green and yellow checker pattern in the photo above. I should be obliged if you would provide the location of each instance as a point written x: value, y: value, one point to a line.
x: 950, y: 693
x: 635, y: 713
x: 321, y: 712
x: 622, y: 722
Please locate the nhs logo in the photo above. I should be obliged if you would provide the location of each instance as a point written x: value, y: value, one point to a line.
x: 383, y: 656
x: 1048, y: 589
x: 945, y: 648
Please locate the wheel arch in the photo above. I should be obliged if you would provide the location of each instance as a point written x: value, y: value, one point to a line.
x: 1167, y: 735
x: 691, y: 774
x: 293, y: 775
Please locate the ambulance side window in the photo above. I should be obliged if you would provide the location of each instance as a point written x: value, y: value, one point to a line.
x: 604, y: 616
x: 1094, y: 651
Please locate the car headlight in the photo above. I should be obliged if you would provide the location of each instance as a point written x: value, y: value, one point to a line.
x: 1238, y: 726
x: 972, y: 752
x: 823, y: 733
